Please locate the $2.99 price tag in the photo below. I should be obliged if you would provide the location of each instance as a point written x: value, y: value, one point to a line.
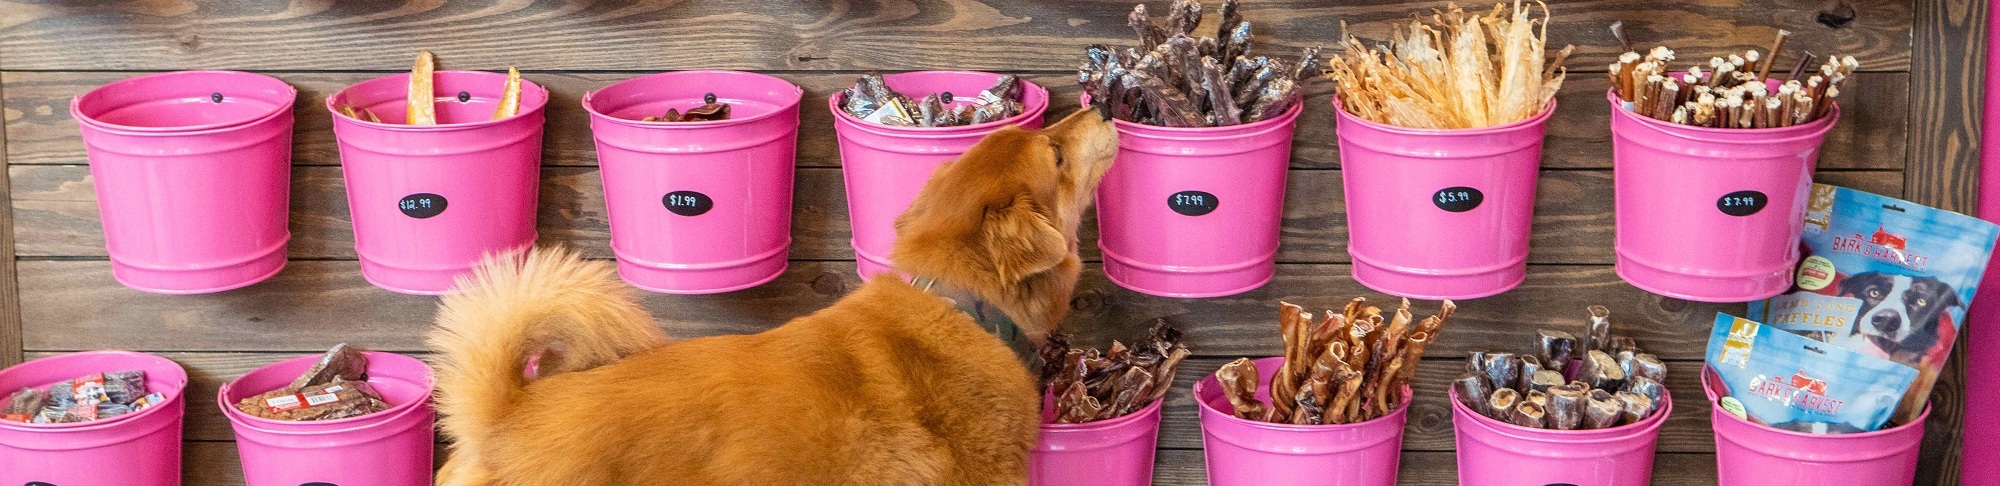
x: 1192, y: 203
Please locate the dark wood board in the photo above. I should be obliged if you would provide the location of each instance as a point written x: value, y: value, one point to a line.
x: 57, y: 213
x: 963, y: 34
x: 1869, y: 135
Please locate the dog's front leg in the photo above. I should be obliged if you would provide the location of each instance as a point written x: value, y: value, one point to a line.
x: 461, y: 469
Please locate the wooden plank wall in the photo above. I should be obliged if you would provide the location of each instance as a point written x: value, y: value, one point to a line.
x: 1909, y: 115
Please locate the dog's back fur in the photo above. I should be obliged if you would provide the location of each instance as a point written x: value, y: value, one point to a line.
x: 890, y: 385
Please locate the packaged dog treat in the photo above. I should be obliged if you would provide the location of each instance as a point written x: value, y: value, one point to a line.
x: 1884, y: 277
x: 86, y: 398
x: 1089, y: 385
x: 1587, y: 398
x: 335, y: 387
x: 871, y: 100
x: 1349, y: 367
x: 1787, y: 381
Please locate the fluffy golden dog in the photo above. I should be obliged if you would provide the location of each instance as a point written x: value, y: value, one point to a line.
x: 549, y: 373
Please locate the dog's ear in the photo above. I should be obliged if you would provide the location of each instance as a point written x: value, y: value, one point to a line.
x: 1021, y: 241
x: 1853, y: 283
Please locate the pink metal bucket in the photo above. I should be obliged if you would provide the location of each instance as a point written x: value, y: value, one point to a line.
x: 1407, y: 187
x: 429, y: 201
x: 388, y: 448
x: 1749, y: 454
x: 1710, y: 214
x: 1491, y: 452
x: 886, y: 166
x: 193, y: 172
x: 1248, y: 453
x: 1195, y: 212
x: 138, y: 449
x: 697, y: 207
x: 1116, y: 452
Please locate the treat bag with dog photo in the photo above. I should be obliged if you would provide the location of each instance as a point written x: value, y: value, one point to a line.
x: 1884, y: 277
x: 1789, y: 382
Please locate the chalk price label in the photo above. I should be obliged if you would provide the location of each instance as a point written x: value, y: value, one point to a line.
x: 1457, y: 199
x: 1192, y: 203
x: 319, y: 484
x: 1742, y: 203
x: 687, y: 203
x: 38, y: 483
x: 422, y: 205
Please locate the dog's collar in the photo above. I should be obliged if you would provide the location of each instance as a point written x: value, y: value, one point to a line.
x: 987, y: 316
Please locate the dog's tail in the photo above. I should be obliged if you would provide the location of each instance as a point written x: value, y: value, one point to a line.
x: 546, y: 307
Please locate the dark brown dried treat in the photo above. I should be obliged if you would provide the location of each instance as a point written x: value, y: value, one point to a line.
x: 1250, y: 88
x: 1557, y: 348
x: 1472, y: 390
x: 1644, y: 386
x: 1566, y: 406
x: 1528, y: 415
x: 868, y: 94
x: 707, y: 112
x: 1597, y: 337
x: 341, y: 362
x: 1075, y: 405
x: 1633, y: 406
x: 1308, y: 67
x: 1501, y: 404
x: 1164, y: 373
x: 1150, y: 34
x: 1129, y: 393
x: 1223, y: 109
x: 1230, y: 19
x: 1054, y: 347
x: 1273, y: 101
x: 1544, y: 380
x: 1604, y: 411
x: 27, y: 402
x: 123, y: 387
x: 1599, y: 370
x: 1239, y: 385
x: 1008, y: 87
x: 930, y: 111
x: 1182, y: 17
x: 1529, y: 366
x: 1170, y: 106
x: 1236, y: 45
x: 1648, y: 366
x: 1503, y: 370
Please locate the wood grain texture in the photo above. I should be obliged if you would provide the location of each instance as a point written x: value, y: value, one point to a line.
x: 1949, y: 73
x: 846, y: 34
x: 56, y: 210
x: 10, y: 291
x: 1429, y: 427
x: 1871, y: 134
x: 216, y: 464
x: 313, y: 304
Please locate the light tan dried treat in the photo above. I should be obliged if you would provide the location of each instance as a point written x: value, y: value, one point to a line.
x: 422, y: 98
x: 510, y: 96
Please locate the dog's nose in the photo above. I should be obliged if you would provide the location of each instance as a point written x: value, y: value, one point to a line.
x: 1886, y: 322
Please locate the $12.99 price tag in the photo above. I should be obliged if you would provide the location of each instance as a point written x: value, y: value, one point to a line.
x: 421, y: 205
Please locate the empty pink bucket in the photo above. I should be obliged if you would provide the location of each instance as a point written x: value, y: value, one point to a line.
x: 1116, y: 452
x: 1406, y: 188
x: 1751, y: 454
x: 1491, y: 452
x: 1195, y: 212
x: 388, y: 448
x: 1710, y: 214
x: 697, y: 207
x: 138, y: 449
x: 193, y: 172
x: 886, y: 166
x: 428, y: 201
x: 1250, y: 453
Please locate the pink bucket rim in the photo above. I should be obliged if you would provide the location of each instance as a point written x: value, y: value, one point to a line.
x: 792, y: 104
x: 106, y: 423
x: 1029, y: 110
x: 1199, y: 385
x: 395, y: 411
x: 1715, y: 409
x: 526, y: 84
x: 76, y: 112
x: 1648, y: 425
x: 1817, y: 127
x: 1102, y: 425
x: 1530, y: 122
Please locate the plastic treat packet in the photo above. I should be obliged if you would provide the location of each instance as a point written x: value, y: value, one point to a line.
x: 124, y: 387
x: 1885, y: 277
x: 336, y: 400
x: 1790, y: 382
x: 23, y: 405
x: 88, y: 390
x: 341, y: 362
x: 149, y: 401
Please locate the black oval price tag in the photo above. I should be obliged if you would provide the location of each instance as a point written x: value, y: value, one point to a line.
x: 1192, y: 203
x: 1457, y: 199
x: 317, y: 483
x: 687, y: 203
x: 1742, y: 203
x: 421, y: 205
x: 38, y: 483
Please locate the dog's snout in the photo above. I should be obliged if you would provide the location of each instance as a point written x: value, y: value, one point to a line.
x: 1886, y: 322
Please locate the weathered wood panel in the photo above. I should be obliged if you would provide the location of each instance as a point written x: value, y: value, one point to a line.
x: 316, y: 303
x: 56, y: 210
x: 1869, y: 136
x: 971, y: 34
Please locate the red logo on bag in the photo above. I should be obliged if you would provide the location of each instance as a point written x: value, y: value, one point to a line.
x: 1808, y: 384
x: 1884, y: 238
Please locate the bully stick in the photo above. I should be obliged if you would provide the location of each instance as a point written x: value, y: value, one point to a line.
x: 1293, y: 327
x: 1556, y: 348
x: 1239, y: 384
x: 1777, y: 46
x: 1603, y: 411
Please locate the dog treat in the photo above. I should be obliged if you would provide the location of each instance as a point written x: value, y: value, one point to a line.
x: 334, y: 387
x: 871, y: 100
x: 510, y: 96
x: 1528, y: 414
x: 710, y: 110
x: 1562, y: 403
x: 24, y: 405
x: 1501, y: 404
x: 1633, y: 407
x: 337, y: 399
x: 1556, y: 348
x: 1350, y: 366
x: 1735, y: 91
x: 1175, y: 79
x: 1473, y: 390
x: 1784, y: 380
x: 342, y: 362
x: 1884, y: 277
x: 421, y: 102
x: 1089, y: 385
x: 1452, y: 70
x: 95, y: 396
